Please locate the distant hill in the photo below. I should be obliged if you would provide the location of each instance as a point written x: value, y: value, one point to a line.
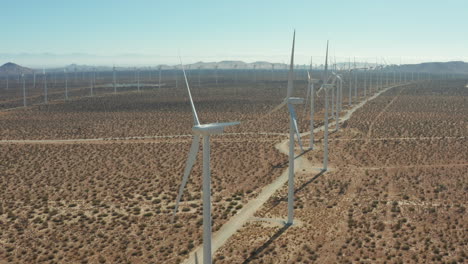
x: 456, y: 67
x: 10, y: 68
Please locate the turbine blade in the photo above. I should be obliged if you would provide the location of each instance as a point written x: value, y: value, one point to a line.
x: 325, y: 78
x: 277, y: 107
x: 194, y: 111
x: 292, y: 113
x: 188, y: 168
x: 291, y: 70
x: 308, y: 93
x: 319, y: 90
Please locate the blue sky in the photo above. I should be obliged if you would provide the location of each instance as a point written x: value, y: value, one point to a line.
x: 145, y: 32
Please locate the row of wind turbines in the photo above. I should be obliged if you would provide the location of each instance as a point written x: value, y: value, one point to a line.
x: 371, y: 75
x: 330, y: 82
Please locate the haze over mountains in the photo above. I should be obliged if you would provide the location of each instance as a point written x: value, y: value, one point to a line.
x: 455, y: 67
x: 13, y: 69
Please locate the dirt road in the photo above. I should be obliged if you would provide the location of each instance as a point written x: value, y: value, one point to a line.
x: 247, y: 212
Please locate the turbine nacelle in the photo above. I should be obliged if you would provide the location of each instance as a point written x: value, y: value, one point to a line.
x: 213, y: 128
x: 294, y: 100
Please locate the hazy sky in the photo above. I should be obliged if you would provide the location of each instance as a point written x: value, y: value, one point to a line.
x: 150, y: 32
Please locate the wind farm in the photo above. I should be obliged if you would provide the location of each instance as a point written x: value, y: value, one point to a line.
x: 302, y: 157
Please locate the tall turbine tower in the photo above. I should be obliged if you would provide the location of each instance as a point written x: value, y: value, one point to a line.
x: 290, y: 101
x: 201, y: 131
x: 311, y: 92
x: 326, y: 87
x: 355, y: 81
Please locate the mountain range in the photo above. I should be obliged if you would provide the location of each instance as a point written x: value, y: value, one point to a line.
x: 454, y: 67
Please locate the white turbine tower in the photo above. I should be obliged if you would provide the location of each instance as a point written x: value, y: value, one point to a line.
x: 337, y: 104
x: 311, y: 92
x: 204, y: 131
x: 290, y: 101
x: 326, y: 86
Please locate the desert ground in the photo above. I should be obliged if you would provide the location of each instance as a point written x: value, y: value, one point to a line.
x: 396, y: 190
x: 94, y: 179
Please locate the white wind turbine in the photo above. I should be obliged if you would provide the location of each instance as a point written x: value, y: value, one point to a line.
x: 290, y: 101
x: 338, y: 101
x: 326, y: 86
x: 204, y: 131
x: 311, y: 92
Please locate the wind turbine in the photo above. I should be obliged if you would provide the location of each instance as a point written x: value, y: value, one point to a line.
x: 350, y: 85
x: 338, y: 97
x: 326, y: 87
x: 311, y: 92
x: 290, y: 101
x: 355, y: 82
x: 216, y: 74
x: 201, y: 131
